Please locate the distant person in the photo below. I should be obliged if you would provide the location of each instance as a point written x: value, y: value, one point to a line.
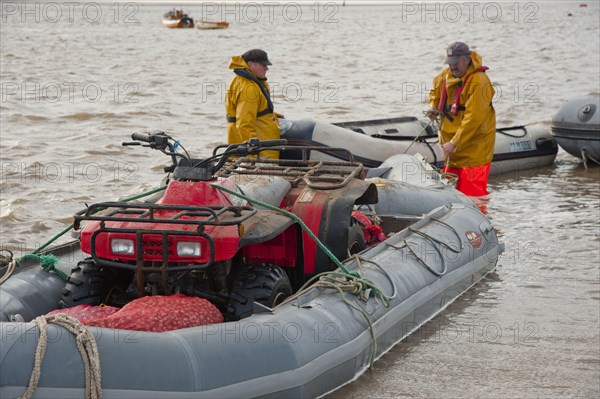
x: 462, y: 97
x: 248, y: 101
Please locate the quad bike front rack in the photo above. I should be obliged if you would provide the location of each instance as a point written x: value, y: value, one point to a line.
x: 147, y: 213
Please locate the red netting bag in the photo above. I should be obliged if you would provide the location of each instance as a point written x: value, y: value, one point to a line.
x: 162, y: 313
x: 85, y: 313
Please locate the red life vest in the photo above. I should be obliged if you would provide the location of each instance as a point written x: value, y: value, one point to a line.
x: 455, y: 107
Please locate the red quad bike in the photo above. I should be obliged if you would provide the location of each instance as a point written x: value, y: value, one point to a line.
x: 201, y: 239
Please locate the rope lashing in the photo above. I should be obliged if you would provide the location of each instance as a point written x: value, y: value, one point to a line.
x: 86, y: 344
x: 47, y: 262
x: 9, y: 262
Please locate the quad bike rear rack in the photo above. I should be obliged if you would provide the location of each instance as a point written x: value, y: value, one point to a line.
x: 146, y: 213
x: 317, y: 174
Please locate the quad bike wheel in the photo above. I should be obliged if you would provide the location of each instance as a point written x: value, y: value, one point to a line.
x: 356, y: 238
x: 87, y: 284
x: 267, y: 285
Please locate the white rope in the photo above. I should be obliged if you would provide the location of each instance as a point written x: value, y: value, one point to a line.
x: 451, y: 177
x: 418, y: 135
x: 9, y: 271
x: 585, y: 157
x: 86, y: 343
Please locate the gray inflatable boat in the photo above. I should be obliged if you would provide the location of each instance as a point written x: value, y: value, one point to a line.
x: 373, y: 141
x: 437, y: 246
x: 576, y: 128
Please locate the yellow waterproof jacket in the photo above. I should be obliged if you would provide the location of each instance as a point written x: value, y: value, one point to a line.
x: 473, y: 130
x: 243, y: 102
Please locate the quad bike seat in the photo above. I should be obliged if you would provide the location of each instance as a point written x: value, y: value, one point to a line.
x: 265, y: 188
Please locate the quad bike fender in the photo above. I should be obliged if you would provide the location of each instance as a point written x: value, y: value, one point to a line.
x: 263, y: 226
x: 328, y: 214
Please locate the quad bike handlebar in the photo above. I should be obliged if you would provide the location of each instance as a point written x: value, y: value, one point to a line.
x: 203, y: 169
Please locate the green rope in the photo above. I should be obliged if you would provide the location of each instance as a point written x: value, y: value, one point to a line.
x: 56, y: 237
x: 147, y: 193
x: 354, y: 275
x: 298, y: 220
x: 48, y: 264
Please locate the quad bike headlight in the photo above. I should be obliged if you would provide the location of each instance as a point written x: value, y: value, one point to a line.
x: 188, y: 248
x: 121, y: 246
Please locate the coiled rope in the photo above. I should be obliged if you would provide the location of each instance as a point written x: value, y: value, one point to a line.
x: 48, y: 262
x: 341, y: 283
x: 86, y: 343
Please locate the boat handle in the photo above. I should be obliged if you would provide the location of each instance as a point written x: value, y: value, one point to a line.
x: 486, y: 227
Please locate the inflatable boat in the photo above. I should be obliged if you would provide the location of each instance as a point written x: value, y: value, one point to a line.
x: 373, y: 141
x: 576, y: 128
x: 432, y: 245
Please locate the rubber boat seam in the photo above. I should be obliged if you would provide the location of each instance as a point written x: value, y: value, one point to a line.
x: 192, y: 360
x: 30, y: 326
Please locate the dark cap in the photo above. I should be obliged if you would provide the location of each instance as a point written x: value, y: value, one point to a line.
x: 455, y: 51
x: 256, y: 55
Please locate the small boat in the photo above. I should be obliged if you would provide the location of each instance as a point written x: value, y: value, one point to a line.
x: 372, y: 141
x: 414, y: 248
x: 212, y: 25
x: 576, y: 128
x: 177, y: 19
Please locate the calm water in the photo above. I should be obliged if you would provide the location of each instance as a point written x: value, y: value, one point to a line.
x: 78, y: 79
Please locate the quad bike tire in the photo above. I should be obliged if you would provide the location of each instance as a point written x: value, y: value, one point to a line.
x: 87, y: 285
x: 267, y: 285
x: 356, y: 238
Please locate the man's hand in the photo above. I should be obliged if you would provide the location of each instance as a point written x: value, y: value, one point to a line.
x: 448, y: 148
x: 432, y: 113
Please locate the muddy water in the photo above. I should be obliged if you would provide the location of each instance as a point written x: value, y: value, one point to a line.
x: 78, y: 79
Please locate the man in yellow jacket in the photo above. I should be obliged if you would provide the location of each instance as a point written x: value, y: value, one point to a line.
x: 248, y: 101
x: 462, y: 97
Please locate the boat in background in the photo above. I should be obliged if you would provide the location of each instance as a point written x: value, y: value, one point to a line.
x: 576, y: 128
x: 177, y: 19
x: 373, y: 141
x: 212, y: 25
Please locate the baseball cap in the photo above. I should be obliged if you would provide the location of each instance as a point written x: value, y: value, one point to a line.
x: 256, y: 55
x: 455, y: 51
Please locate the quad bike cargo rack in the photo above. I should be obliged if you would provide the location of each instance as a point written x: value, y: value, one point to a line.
x: 317, y: 174
x: 147, y: 213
